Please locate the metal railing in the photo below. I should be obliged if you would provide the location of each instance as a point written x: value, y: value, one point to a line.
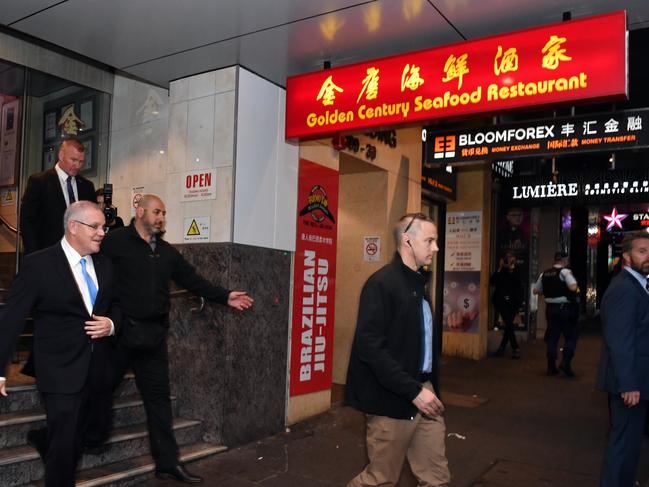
x: 184, y: 293
x: 4, y: 222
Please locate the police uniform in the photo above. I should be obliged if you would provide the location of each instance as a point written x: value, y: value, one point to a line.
x: 562, y: 313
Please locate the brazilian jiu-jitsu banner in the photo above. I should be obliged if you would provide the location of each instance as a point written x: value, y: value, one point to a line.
x: 314, y: 279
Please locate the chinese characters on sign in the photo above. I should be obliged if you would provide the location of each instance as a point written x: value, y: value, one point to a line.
x: 575, y: 60
x: 314, y: 278
x: 462, y: 263
x: 608, y: 131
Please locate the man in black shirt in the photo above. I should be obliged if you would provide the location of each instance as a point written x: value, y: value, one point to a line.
x: 507, y: 299
x: 144, y: 265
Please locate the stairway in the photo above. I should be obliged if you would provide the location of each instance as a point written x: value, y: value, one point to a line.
x: 127, y: 460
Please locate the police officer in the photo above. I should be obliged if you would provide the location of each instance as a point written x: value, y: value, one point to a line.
x: 559, y: 287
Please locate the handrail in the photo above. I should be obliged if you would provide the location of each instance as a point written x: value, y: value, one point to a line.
x: 181, y: 293
x: 4, y: 221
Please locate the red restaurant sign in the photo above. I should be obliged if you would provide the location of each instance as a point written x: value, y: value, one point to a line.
x: 569, y: 61
x: 314, y: 278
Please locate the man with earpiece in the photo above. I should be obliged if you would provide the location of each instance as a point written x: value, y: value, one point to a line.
x: 393, y: 374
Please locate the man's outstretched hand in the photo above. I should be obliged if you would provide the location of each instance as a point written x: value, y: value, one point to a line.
x: 239, y: 300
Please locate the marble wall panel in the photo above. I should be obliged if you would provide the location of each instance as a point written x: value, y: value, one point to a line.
x: 228, y: 368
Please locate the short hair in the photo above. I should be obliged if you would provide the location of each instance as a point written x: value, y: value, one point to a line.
x: 627, y: 242
x: 99, y: 192
x: 558, y: 256
x: 75, y: 210
x: 76, y: 143
x: 409, y: 223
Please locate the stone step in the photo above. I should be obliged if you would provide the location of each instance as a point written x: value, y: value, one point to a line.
x: 136, y: 470
x: 127, y: 411
x: 22, y: 464
x: 27, y: 397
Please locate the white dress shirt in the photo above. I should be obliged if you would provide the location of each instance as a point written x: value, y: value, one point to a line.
x: 74, y: 259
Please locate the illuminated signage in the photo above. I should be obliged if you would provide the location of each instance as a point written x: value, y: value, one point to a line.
x: 550, y: 190
x: 628, y: 129
x: 614, y: 219
x: 439, y: 182
x: 611, y: 186
x: 575, y: 60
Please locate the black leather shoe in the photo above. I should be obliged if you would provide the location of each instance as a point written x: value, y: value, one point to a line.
x: 178, y: 473
x: 37, y: 439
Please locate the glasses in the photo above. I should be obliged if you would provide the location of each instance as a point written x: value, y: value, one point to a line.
x: 415, y: 216
x: 94, y: 226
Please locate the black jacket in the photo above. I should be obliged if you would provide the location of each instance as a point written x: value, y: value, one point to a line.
x: 65, y: 357
x: 384, y: 368
x: 508, y: 289
x: 42, y: 208
x: 142, y: 275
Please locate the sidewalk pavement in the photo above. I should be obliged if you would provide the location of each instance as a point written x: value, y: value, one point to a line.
x: 508, y: 425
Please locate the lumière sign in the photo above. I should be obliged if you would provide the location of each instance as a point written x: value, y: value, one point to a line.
x: 550, y: 190
x: 613, y: 187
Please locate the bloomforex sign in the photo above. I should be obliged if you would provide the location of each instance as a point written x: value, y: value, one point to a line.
x: 614, y: 131
x: 569, y: 61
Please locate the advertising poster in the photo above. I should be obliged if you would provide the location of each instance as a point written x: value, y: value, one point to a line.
x: 462, y: 264
x: 314, y: 279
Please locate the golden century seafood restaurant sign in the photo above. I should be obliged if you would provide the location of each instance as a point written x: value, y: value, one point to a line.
x: 565, y: 62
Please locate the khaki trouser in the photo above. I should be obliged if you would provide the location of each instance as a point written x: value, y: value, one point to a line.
x: 390, y: 441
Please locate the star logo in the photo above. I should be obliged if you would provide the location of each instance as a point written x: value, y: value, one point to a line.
x: 614, y: 219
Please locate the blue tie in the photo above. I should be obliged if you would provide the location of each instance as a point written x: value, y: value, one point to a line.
x: 92, y: 289
x: 70, y: 190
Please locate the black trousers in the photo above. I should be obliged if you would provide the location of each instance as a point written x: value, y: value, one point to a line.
x: 624, y: 442
x: 561, y: 321
x: 151, y: 369
x: 66, y: 415
x: 508, y: 312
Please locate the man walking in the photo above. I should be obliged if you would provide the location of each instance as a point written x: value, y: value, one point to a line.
x: 393, y: 369
x: 559, y: 288
x: 67, y: 288
x: 144, y: 266
x: 624, y: 367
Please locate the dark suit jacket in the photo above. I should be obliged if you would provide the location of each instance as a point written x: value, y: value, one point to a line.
x: 64, y: 355
x: 625, y: 325
x: 42, y: 208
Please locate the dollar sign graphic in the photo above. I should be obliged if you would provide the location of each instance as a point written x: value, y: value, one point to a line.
x: 466, y: 303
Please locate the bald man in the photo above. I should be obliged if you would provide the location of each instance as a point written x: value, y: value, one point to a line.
x: 144, y: 266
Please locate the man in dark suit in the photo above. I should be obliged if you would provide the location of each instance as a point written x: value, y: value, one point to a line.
x: 624, y: 368
x: 49, y: 193
x: 68, y: 292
